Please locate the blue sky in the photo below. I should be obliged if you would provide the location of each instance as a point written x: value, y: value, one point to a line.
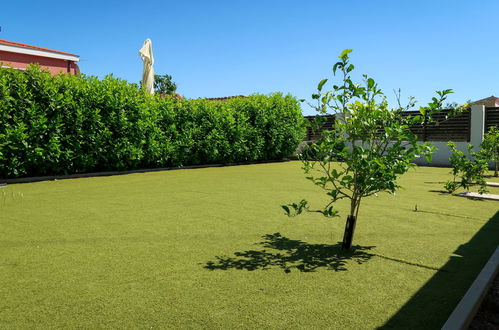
x: 221, y: 48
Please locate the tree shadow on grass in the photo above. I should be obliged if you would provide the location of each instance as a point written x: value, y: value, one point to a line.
x: 289, y: 254
x: 440, y: 192
x: 447, y: 214
x: 443, y: 192
x: 430, y: 307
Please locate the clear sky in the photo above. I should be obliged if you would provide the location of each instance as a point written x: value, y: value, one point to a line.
x: 222, y: 48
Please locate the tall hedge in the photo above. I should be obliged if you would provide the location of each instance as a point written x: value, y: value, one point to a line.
x: 71, y: 124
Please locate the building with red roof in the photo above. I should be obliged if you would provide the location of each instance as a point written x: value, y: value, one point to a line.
x: 490, y: 101
x: 19, y: 56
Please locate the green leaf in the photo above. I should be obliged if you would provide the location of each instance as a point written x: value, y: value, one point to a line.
x: 322, y: 82
x: 286, y: 209
x: 344, y: 54
x: 335, y: 67
x: 370, y: 83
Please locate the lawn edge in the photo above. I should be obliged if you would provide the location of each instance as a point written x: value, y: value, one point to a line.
x: 113, y: 173
x: 467, y: 308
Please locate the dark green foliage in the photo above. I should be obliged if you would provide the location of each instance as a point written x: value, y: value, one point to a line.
x: 70, y: 124
x: 163, y: 84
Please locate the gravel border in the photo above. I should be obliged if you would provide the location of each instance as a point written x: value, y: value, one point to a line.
x: 467, y: 308
x: 487, y: 317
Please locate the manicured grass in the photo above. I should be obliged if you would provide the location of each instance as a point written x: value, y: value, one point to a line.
x: 140, y: 251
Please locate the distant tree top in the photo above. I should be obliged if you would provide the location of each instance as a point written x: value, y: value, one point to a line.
x: 163, y: 84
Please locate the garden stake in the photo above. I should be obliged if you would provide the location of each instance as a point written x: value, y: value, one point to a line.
x: 349, y: 231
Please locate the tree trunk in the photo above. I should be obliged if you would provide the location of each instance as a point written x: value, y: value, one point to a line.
x: 497, y: 169
x: 349, y: 230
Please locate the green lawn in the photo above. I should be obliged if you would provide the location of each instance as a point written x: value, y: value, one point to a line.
x: 199, y: 248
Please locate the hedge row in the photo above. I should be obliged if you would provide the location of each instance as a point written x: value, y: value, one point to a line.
x: 71, y: 124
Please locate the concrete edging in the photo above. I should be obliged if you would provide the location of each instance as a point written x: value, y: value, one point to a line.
x: 476, y: 195
x: 467, y: 308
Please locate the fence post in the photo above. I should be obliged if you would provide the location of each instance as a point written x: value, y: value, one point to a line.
x: 477, y: 128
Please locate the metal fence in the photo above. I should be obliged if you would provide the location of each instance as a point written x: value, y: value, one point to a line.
x: 444, y: 128
x: 491, y: 118
x: 456, y: 128
x: 328, y: 124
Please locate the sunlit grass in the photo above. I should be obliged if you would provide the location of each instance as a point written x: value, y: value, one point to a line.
x: 199, y: 249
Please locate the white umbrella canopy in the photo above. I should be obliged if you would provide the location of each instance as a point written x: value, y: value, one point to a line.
x: 148, y: 71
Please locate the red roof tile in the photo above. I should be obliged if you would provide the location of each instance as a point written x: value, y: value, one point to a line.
x: 223, y: 98
x: 17, y: 44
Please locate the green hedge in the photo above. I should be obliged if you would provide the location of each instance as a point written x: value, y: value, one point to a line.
x: 71, y: 124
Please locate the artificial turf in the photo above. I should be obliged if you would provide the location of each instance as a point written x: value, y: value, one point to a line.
x: 211, y: 248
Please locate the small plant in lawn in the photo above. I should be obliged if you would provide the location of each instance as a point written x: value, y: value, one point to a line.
x: 490, y: 145
x: 377, y: 145
x: 467, y: 172
x: 13, y: 196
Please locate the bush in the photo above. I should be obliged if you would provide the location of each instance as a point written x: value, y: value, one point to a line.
x: 467, y: 172
x: 70, y: 124
x: 490, y: 145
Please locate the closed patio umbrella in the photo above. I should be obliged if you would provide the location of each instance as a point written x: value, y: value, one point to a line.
x: 148, y: 71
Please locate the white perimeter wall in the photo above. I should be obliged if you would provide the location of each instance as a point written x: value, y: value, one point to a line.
x: 442, y: 153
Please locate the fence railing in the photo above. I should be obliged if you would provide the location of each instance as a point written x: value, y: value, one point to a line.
x: 444, y: 127
x: 328, y: 124
x: 491, y: 118
x: 456, y: 128
x: 466, y: 128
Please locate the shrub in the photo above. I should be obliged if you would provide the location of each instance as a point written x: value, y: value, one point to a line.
x: 70, y: 124
x: 490, y: 146
x: 467, y: 172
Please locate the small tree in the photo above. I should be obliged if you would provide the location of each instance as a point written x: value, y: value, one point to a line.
x: 490, y: 145
x: 467, y: 172
x: 377, y: 144
x: 163, y: 84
